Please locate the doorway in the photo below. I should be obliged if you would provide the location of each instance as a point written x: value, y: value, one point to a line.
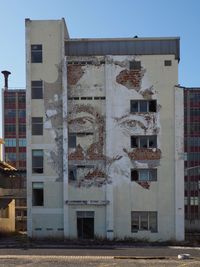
x: 85, y: 224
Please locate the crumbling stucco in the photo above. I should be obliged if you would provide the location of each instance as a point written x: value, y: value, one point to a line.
x: 131, y: 79
x: 144, y: 154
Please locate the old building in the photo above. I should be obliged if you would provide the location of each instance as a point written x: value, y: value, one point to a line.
x: 104, y: 136
x: 192, y: 163
x: 14, y: 152
x: 14, y: 130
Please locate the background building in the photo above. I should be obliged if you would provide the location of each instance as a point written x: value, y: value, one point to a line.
x: 192, y: 163
x: 14, y: 107
x: 14, y: 153
x: 104, y: 136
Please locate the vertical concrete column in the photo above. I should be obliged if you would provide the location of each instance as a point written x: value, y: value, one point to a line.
x: 65, y: 151
x: 109, y: 187
x: 179, y: 165
x: 28, y: 128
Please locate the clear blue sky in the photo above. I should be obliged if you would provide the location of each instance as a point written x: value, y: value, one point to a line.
x: 103, y: 18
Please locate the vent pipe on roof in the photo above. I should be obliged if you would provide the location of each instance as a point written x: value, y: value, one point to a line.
x: 6, y: 74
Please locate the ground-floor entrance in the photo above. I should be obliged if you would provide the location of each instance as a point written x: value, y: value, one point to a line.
x: 85, y: 224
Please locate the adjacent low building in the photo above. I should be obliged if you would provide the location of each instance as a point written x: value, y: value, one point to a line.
x: 105, y: 154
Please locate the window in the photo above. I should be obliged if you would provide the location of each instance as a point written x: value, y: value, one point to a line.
x: 36, y: 53
x: 22, y: 128
x: 22, y: 156
x: 135, y: 65
x: 22, y: 142
x: 37, y: 161
x: 144, y: 175
x: 144, y: 221
x: 36, y: 90
x: 143, y: 106
x: 10, y: 142
x: 144, y: 141
x: 10, y: 156
x: 194, y: 201
x: 72, y: 140
x: 167, y: 62
x: 72, y: 173
x: 10, y: 128
x: 38, y: 193
x: 37, y: 126
x: 22, y: 113
x: 22, y: 99
x: 10, y: 113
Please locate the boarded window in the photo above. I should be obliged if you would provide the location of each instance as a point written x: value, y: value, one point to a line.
x: 37, y: 161
x: 143, y: 106
x: 37, y: 126
x: 38, y: 193
x: 144, y: 221
x: 36, y: 53
x: 37, y: 90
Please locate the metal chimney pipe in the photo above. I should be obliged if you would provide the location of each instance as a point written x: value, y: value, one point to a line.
x: 6, y: 74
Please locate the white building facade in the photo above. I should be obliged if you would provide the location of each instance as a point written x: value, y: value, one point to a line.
x: 104, y: 136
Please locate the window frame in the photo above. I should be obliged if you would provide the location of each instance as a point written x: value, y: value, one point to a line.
x: 153, y: 174
x: 139, y: 138
x: 37, y: 126
x: 140, y: 102
x: 37, y: 89
x: 36, y: 53
x: 37, y: 188
x: 72, y: 140
x: 137, y: 218
x: 37, y: 169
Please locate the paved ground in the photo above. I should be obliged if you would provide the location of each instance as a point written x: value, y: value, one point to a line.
x: 121, y: 256
x: 75, y: 261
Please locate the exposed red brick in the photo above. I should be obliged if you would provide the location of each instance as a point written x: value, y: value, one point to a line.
x: 130, y: 78
x: 95, y: 173
x: 74, y: 73
x: 95, y: 151
x: 144, y: 184
x: 78, y: 154
x: 144, y: 154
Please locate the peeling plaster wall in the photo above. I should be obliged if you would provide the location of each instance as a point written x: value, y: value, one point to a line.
x: 90, y: 97
x: 153, y: 82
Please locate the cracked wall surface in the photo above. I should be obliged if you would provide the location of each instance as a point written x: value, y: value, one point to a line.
x: 86, y: 80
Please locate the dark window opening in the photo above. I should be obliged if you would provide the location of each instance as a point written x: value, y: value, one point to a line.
x: 143, y: 106
x: 144, y: 141
x: 72, y: 140
x: 85, y: 224
x: 152, y: 106
x: 37, y: 126
x: 144, y: 175
x: 134, y: 175
x: 135, y: 65
x: 36, y: 53
x: 37, y: 161
x: 72, y: 173
x: 36, y: 90
x: 168, y: 62
x: 38, y: 194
